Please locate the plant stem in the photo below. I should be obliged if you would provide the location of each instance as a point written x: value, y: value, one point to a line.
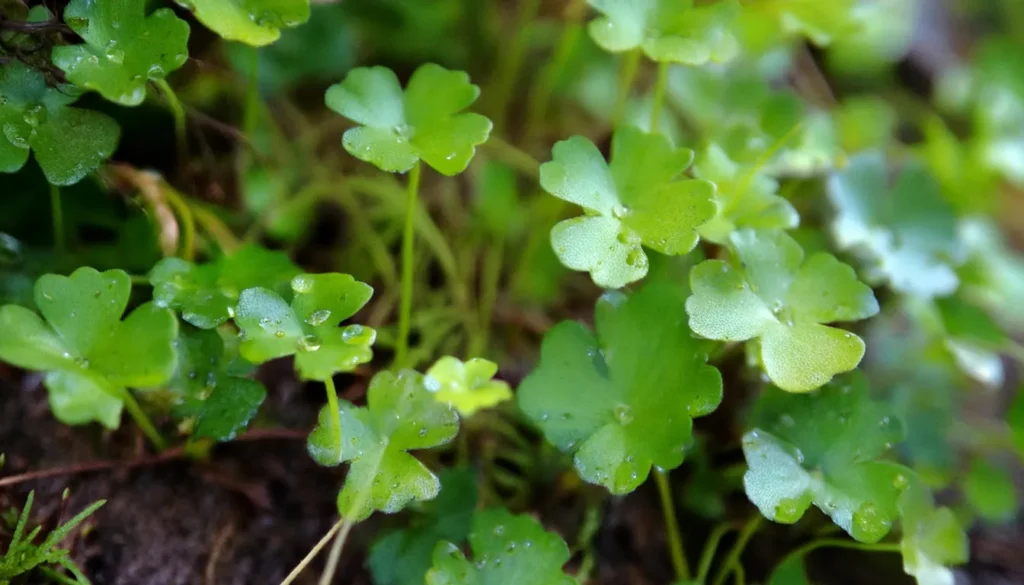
x: 335, y: 555
x: 57, y: 215
x: 630, y: 66
x: 893, y: 547
x: 513, y: 156
x: 540, y: 97
x: 332, y: 406
x: 188, y: 222
x: 178, y: 112
x: 408, y: 235
x: 710, y: 547
x: 733, y: 557
x: 216, y: 228
x: 491, y: 277
x: 659, y: 96
x: 141, y: 419
x: 675, y: 543
x: 512, y: 61
x: 314, y: 551
x: 252, y: 94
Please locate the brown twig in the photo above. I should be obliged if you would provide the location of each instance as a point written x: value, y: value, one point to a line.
x: 149, y: 460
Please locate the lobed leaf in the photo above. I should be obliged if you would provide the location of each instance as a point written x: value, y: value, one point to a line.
x: 217, y: 404
x: 907, y: 231
x: 68, y: 142
x: 630, y: 203
x: 124, y: 48
x: 622, y: 401
x: 401, y: 415
x: 673, y: 31
x: 424, y: 123
x: 508, y: 550
x: 824, y: 448
x: 932, y: 538
x: 253, y: 22
x: 781, y: 300
x: 308, y: 328
x: 88, y: 353
x: 468, y: 386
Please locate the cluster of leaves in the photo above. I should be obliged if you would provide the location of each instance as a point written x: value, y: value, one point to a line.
x: 618, y: 398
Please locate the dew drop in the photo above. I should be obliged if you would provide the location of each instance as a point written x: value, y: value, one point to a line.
x: 624, y: 414
x: 302, y: 284
x: 318, y: 317
x: 307, y: 342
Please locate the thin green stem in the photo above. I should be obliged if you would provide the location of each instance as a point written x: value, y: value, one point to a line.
x: 675, y: 542
x: 710, y: 547
x: 57, y: 216
x: 540, y: 97
x: 188, y: 222
x: 733, y: 558
x: 512, y: 61
x: 332, y: 407
x: 252, y: 94
x: 408, y: 241
x: 313, y: 552
x: 630, y: 66
x: 141, y: 419
x: 659, y: 96
x: 216, y: 228
x: 335, y: 555
x: 57, y: 577
x: 491, y: 278
x: 178, y: 112
x: 513, y: 156
x: 893, y: 547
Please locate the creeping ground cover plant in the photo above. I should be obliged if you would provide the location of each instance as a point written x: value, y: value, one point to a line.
x: 530, y: 292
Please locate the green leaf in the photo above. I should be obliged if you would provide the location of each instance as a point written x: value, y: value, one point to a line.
x: 88, y: 353
x: 667, y: 30
x: 624, y: 400
x: 206, y: 294
x: 823, y: 448
x: 769, y: 23
x: 632, y: 202
x: 423, y: 123
x: 989, y: 489
x: 253, y: 22
x: 401, y: 415
x: 217, y: 404
x: 932, y: 538
x: 467, y: 386
x: 974, y: 339
x: 404, y: 556
x: 69, y: 143
x: 509, y: 550
x: 745, y: 198
x: 778, y: 298
x: 791, y: 571
x: 123, y: 49
x: 308, y: 328
x: 907, y: 232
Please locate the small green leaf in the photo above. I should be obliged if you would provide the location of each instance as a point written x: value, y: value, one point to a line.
x: 206, y: 294
x: 401, y: 415
x: 746, y: 198
x: 124, y: 48
x: 253, y: 22
x: 783, y: 301
x: 989, y: 489
x: 907, y: 232
x: 623, y: 401
x: 974, y: 339
x: 632, y: 202
x: 88, y: 353
x: 508, y: 550
x: 823, y: 448
x: 218, y: 404
x: 404, y: 556
x: 932, y: 538
x: 69, y: 143
x: 423, y: 123
x: 308, y: 328
x: 467, y: 386
x: 672, y: 31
